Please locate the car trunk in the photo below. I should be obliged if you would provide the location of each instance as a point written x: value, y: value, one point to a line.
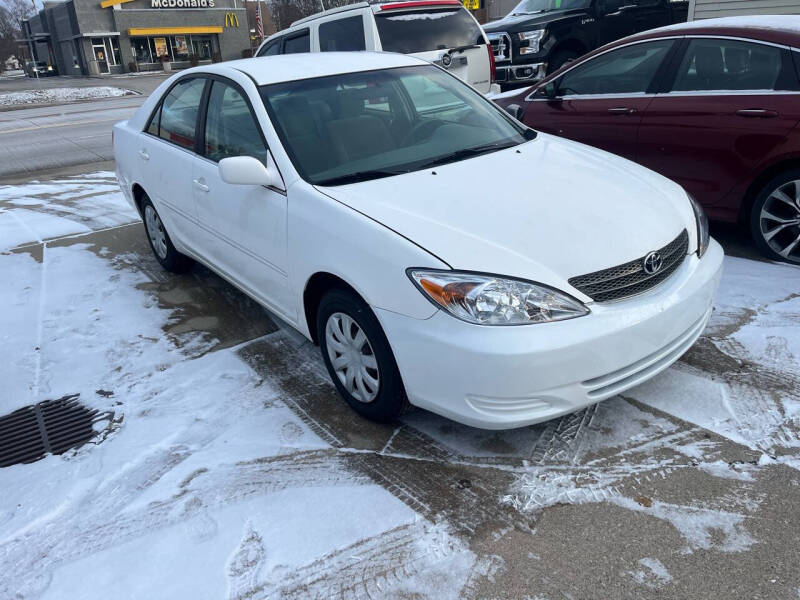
x: 443, y: 34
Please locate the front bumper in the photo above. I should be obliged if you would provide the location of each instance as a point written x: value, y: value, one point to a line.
x: 520, y: 73
x: 506, y: 377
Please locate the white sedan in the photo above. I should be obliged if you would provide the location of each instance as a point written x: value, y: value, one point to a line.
x: 439, y: 252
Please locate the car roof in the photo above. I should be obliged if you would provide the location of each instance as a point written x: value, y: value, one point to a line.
x: 291, y: 67
x: 777, y: 29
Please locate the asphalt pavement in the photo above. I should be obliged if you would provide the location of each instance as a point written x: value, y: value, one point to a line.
x: 39, y: 139
x: 43, y: 138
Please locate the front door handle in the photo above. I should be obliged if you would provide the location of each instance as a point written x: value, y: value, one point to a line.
x: 757, y: 113
x: 143, y: 154
x: 198, y: 183
x: 622, y: 110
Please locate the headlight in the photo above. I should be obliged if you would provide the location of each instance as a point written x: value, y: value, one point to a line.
x: 534, y: 39
x: 702, y: 226
x: 491, y: 300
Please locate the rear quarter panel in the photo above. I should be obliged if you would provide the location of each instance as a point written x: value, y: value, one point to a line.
x: 125, y: 159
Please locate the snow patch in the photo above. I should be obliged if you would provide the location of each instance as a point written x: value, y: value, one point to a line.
x: 700, y: 527
x: 65, y: 94
x: 654, y: 576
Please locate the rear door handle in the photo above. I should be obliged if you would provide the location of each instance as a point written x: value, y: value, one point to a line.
x: 757, y: 113
x: 144, y: 155
x: 622, y: 110
x: 198, y: 183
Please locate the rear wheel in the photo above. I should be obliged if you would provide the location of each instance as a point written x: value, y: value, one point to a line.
x: 775, y: 218
x: 162, y: 247
x: 358, y: 357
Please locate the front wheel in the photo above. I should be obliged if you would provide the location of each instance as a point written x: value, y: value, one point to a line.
x: 358, y: 357
x: 775, y: 218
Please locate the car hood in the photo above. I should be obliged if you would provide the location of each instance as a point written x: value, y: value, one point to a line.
x: 546, y: 210
x: 535, y: 20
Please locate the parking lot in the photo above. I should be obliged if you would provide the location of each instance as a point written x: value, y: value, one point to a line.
x: 225, y: 464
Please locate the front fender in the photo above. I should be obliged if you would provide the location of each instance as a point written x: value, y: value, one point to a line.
x: 325, y: 235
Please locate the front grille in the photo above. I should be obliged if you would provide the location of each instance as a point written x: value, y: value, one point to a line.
x: 501, y: 46
x: 630, y: 278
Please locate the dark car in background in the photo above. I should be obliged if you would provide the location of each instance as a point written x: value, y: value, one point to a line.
x: 540, y: 36
x: 713, y: 105
x: 39, y: 68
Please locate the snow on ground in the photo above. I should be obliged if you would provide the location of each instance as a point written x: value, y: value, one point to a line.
x: 208, y: 486
x: 228, y: 478
x: 37, y: 211
x: 756, y: 326
x: 749, y: 393
x: 65, y: 94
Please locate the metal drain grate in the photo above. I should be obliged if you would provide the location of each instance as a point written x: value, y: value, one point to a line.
x: 52, y: 426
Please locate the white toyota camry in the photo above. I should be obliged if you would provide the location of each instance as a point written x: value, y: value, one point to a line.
x: 440, y: 253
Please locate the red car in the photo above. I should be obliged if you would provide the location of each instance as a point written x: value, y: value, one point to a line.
x: 713, y: 105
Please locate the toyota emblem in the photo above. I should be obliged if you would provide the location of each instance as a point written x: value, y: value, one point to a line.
x: 652, y: 263
x: 446, y: 60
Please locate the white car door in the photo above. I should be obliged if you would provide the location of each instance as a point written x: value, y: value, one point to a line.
x: 243, y: 227
x: 165, y: 153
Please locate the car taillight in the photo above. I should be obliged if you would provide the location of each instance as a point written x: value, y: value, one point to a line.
x: 492, y: 65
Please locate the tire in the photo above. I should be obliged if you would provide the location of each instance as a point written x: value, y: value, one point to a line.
x: 160, y: 243
x: 341, y: 315
x: 560, y: 58
x: 775, y: 218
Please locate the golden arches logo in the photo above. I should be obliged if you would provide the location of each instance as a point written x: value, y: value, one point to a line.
x: 231, y: 20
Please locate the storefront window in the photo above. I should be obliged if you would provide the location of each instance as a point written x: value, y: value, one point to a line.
x: 202, y: 47
x: 114, y: 53
x: 177, y: 47
x: 159, y: 47
x: 180, y: 47
x: 141, y: 50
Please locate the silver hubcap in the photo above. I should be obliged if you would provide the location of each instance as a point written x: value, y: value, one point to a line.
x: 780, y: 221
x: 352, y: 357
x: 155, y: 230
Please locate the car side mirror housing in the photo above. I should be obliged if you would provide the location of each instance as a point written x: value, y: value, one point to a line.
x: 246, y: 170
x: 550, y: 91
x: 515, y: 110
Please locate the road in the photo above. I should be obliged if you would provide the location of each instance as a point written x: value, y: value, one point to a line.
x: 51, y: 137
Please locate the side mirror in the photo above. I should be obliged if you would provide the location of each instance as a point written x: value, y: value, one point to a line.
x: 515, y: 110
x: 246, y: 170
x: 550, y: 91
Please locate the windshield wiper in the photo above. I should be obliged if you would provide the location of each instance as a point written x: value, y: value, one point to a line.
x: 359, y: 176
x: 466, y: 153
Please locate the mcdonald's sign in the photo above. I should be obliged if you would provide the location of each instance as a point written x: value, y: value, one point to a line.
x: 231, y: 20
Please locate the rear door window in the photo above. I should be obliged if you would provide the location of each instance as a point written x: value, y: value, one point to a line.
x: 342, y: 35
x: 407, y: 32
x: 179, y: 112
x: 722, y: 64
x: 297, y: 43
x: 628, y: 70
x: 271, y: 49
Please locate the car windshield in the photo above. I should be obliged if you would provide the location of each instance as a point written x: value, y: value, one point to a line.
x: 535, y: 6
x: 407, y: 32
x: 359, y: 126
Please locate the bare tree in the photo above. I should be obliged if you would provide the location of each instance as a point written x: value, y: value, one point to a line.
x: 11, y: 13
x: 286, y: 12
